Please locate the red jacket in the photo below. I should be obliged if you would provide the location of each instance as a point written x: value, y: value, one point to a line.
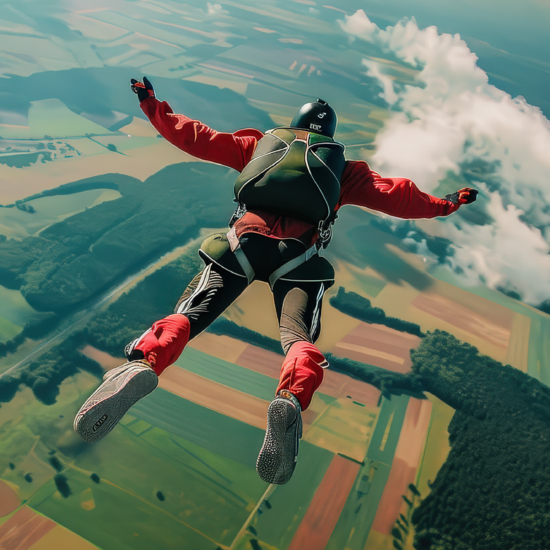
x: 359, y: 185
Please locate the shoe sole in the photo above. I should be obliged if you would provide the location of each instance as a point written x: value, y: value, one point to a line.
x: 96, y: 422
x: 277, y: 458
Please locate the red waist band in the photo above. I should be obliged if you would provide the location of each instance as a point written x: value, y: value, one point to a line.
x: 277, y: 227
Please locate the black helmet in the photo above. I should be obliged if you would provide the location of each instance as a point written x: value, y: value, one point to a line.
x: 318, y: 117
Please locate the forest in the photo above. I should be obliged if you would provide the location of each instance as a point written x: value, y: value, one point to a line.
x: 75, y: 259
x: 493, y: 491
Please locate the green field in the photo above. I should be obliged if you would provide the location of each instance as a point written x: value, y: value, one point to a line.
x: 228, y: 374
x: 202, y: 462
x: 354, y: 525
x: 204, y: 498
x: 235, y: 440
x: 277, y: 525
x: 15, y: 313
x: 8, y: 330
x: 139, y: 524
x: 371, y: 285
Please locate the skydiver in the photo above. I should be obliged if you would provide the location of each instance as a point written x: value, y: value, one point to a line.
x: 292, y: 182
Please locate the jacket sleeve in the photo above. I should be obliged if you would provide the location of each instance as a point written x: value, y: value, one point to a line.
x: 398, y: 197
x: 234, y: 150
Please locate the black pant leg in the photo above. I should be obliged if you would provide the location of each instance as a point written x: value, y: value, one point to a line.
x: 208, y: 295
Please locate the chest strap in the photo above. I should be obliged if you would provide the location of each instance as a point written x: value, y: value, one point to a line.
x: 235, y: 246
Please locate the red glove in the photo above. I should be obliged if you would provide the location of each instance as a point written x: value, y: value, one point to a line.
x: 466, y: 195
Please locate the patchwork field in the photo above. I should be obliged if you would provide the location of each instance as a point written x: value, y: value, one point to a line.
x: 326, y: 506
x: 179, y: 471
x: 406, y: 461
x: 201, y: 431
x: 378, y: 345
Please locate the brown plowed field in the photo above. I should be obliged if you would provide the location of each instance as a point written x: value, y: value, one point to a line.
x: 261, y: 360
x: 390, y: 504
x: 339, y: 385
x: 326, y: 506
x: 383, y: 335
x: 9, y: 501
x: 106, y: 360
x: 23, y: 529
x: 362, y: 355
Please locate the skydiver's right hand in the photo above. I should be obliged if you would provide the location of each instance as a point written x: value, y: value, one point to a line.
x: 143, y: 89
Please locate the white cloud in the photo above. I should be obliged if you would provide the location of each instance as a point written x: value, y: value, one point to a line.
x: 373, y: 70
x: 507, y: 253
x: 360, y: 25
x: 215, y: 9
x: 454, y: 116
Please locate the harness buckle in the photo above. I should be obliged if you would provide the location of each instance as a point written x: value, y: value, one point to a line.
x: 325, y: 231
x: 240, y: 211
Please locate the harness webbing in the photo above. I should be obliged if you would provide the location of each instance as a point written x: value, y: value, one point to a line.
x: 292, y: 264
x: 235, y: 246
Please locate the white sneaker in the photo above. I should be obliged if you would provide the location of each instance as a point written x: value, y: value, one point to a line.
x: 122, y: 388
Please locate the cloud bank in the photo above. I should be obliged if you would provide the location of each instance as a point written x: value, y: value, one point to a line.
x: 452, y: 119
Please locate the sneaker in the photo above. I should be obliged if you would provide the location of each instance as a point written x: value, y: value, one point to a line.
x: 279, y: 453
x: 122, y: 387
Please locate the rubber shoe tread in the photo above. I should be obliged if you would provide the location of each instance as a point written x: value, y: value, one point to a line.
x: 279, y: 452
x: 122, y: 388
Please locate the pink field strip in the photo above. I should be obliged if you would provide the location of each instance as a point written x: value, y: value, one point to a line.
x: 322, y: 515
x: 379, y: 346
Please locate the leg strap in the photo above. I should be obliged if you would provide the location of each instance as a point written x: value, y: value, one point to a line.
x: 278, y: 273
x: 240, y: 255
x: 292, y: 264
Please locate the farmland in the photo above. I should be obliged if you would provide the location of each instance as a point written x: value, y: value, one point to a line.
x: 99, y: 226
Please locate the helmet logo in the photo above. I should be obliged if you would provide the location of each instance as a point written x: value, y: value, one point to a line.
x: 315, y: 127
x: 321, y: 115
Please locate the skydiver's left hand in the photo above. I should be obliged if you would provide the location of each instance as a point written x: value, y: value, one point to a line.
x: 465, y: 195
x: 143, y: 89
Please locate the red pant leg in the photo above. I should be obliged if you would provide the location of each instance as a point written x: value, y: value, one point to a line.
x: 301, y: 373
x: 165, y: 340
